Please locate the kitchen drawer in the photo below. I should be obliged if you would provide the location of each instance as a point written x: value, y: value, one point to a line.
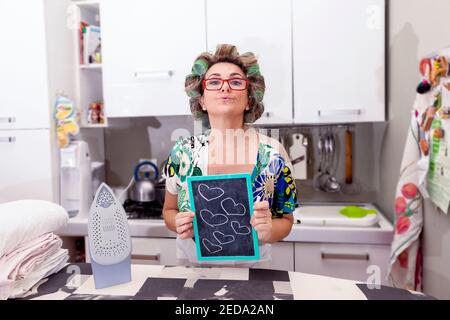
x: 282, y: 257
x: 347, y: 261
x: 154, y: 251
x: 150, y: 251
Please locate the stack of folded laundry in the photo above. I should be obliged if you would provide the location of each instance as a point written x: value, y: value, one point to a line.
x: 29, y: 250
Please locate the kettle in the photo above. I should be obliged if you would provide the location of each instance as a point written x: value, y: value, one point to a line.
x: 143, y: 189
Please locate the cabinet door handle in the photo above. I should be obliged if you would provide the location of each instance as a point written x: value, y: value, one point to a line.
x: 148, y: 257
x: 349, y: 112
x: 166, y: 74
x: 7, y: 119
x: 8, y: 139
x: 345, y: 256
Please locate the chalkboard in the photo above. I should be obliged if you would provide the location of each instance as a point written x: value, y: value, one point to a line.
x: 223, y: 206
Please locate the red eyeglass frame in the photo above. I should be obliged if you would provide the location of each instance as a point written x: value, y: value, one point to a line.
x: 223, y: 81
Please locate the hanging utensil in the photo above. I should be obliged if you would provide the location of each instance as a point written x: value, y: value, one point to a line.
x: 332, y: 185
x: 320, y: 171
x: 323, y: 177
x: 348, y: 156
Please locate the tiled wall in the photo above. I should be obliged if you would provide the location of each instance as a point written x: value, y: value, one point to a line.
x: 130, y: 139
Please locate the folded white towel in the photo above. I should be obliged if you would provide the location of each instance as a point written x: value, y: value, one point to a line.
x: 24, y: 220
x: 50, y: 266
x: 28, y: 263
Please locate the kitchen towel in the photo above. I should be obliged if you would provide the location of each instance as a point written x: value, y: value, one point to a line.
x: 422, y: 170
x: 405, y: 261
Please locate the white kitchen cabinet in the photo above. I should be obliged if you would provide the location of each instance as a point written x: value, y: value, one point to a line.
x: 34, y: 66
x: 26, y: 165
x: 358, y: 262
x: 24, y: 101
x: 282, y: 257
x: 339, y: 61
x: 264, y: 28
x: 148, y: 251
x: 154, y: 251
x: 148, y: 48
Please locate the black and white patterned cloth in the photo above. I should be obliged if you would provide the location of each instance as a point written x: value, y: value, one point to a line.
x: 178, y: 283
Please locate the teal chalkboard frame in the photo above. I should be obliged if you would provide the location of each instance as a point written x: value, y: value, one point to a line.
x: 247, y: 178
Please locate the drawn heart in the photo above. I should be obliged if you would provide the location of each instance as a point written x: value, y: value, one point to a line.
x: 211, y: 247
x: 208, y: 193
x: 231, y: 208
x: 238, y: 229
x: 223, y: 238
x: 211, y: 219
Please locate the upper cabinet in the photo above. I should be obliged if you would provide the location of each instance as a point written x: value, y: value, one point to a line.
x: 148, y: 48
x: 23, y: 67
x: 339, y: 61
x: 323, y: 61
x: 262, y: 27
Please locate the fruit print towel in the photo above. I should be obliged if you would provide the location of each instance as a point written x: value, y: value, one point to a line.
x: 419, y: 169
x: 405, y: 260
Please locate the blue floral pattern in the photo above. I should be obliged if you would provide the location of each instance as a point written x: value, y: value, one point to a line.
x: 271, y: 177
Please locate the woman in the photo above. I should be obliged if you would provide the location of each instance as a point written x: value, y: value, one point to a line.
x: 226, y: 90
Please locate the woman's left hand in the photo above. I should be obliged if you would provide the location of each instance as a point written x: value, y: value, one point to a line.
x: 262, y: 221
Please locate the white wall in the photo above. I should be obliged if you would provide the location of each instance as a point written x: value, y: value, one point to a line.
x: 417, y: 27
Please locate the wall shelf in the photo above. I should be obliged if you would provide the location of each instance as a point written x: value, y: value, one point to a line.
x: 89, y: 76
x: 92, y: 66
x: 89, y: 125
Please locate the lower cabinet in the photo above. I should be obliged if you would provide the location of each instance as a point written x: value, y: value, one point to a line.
x: 154, y: 251
x: 365, y: 263
x: 149, y: 251
x: 282, y: 257
x: 359, y: 262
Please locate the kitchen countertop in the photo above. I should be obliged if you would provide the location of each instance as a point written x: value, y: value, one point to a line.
x: 381, y: 234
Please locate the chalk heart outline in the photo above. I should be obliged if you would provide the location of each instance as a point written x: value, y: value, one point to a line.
x: 211, y: 216
x: 211, y: 247
x: 221, y: 237
x: 234, y: 205
x: 206, y: 193
x: 237, y: 228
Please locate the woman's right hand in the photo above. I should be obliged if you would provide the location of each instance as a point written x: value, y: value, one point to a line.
x: 183, y: 224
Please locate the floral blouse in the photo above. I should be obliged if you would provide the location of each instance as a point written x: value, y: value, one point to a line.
x: 271, y: 177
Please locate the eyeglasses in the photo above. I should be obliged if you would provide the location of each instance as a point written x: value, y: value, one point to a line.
x: 214, y: 84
